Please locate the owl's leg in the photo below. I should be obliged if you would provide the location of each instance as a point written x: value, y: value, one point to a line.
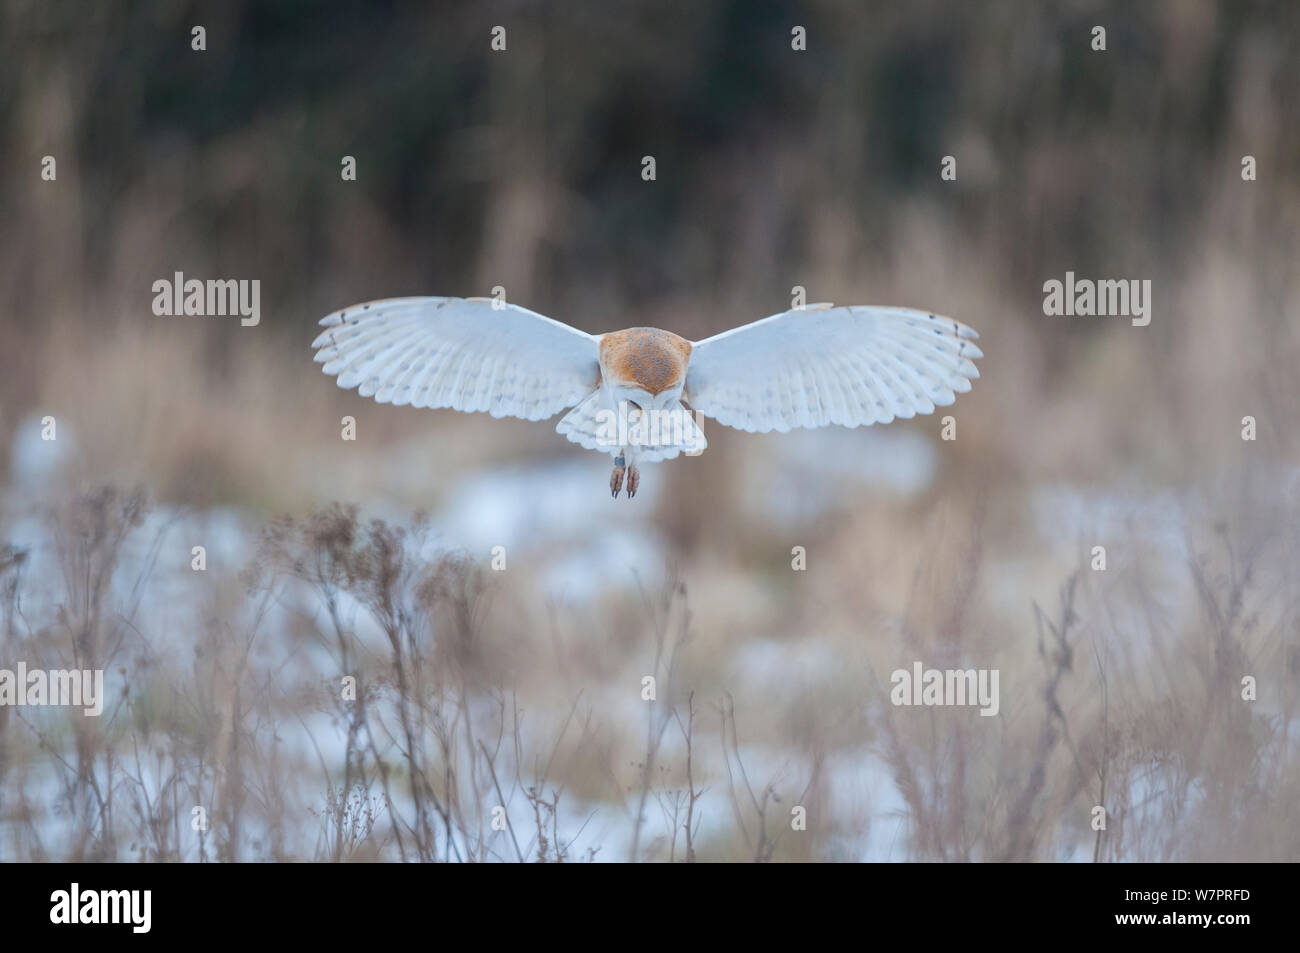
x: 633, y: 474
x: 616, y: 478
x: 623, y: 466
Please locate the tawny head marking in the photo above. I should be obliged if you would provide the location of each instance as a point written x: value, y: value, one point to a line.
x: 649, y: 358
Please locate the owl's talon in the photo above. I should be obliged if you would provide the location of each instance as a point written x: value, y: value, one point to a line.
x: 616, y: 481
x: 633, y: 480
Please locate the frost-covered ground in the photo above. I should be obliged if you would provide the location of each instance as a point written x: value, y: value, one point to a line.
x: 523, y: 686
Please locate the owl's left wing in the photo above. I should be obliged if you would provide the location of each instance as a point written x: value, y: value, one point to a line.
x: 470, y: 354
x: 822, y: 365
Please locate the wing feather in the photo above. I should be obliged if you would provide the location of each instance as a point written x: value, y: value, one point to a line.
x: 460, y: 353
x: 825, y: 365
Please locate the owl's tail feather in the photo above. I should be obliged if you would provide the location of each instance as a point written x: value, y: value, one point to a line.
x: 582, y: 424
x: 659, y: 434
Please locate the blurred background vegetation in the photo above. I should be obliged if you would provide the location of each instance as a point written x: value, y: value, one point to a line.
x: 775, y: 168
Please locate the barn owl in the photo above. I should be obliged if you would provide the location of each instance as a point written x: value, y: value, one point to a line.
x: 635, y: 393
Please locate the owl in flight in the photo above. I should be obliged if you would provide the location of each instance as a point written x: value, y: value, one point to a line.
x: 635, y: 393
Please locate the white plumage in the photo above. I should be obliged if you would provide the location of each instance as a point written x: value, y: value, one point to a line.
x: 825, y: 365
x: 459, y: 353
x: 808, y: 367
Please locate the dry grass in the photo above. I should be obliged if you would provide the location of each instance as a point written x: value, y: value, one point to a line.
x: 251, y: 721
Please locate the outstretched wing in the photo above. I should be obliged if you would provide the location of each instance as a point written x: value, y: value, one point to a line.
x: 824, y: 365
x: 461, y: 353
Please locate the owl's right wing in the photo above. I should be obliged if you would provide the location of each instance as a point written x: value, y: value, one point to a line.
x: 822, y: 365
x: 461, y: 353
